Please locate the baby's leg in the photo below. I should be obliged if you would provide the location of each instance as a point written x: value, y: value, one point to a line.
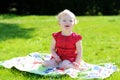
x: 50, y: 63
x: 66, y: 64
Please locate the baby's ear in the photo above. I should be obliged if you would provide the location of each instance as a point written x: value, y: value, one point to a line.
x: 58, y: 23
x: 76, y: 21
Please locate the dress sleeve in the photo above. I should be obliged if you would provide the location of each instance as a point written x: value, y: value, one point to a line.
x: 78, y: 37
x: 54, y: 35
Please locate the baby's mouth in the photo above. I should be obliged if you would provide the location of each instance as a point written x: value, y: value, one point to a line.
x: 67, y: 26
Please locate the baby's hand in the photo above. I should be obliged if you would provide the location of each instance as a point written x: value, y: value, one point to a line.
x: 76, y: 65
x: 57, y: 58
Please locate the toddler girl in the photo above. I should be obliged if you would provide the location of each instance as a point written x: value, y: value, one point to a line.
x: 66, y: 46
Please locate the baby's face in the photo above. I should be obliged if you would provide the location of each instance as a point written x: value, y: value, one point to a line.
x: 66, y: 22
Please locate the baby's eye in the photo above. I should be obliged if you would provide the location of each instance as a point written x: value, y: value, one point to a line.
x: 71, y: 20
x: 64, y: 20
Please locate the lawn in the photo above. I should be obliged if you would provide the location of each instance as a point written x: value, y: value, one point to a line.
x: 21, y: 35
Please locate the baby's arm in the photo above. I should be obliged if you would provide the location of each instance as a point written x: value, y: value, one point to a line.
x: 53, y: 50
x: 79, y: 52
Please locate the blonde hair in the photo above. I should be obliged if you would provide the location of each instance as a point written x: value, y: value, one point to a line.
x: 66, y: 12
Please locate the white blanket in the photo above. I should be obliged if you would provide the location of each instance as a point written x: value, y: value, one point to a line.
x: 32, y: 63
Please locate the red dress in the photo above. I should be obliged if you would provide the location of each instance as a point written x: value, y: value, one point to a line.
x: 66, y: 45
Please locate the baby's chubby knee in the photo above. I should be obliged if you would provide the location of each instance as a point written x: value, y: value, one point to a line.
x: 50, y: 63
x: 65, y: 64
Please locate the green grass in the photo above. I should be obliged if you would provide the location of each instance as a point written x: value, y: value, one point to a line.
x: 21, y: 35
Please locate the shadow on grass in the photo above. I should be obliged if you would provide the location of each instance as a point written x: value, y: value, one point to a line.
x: 10, y: 31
